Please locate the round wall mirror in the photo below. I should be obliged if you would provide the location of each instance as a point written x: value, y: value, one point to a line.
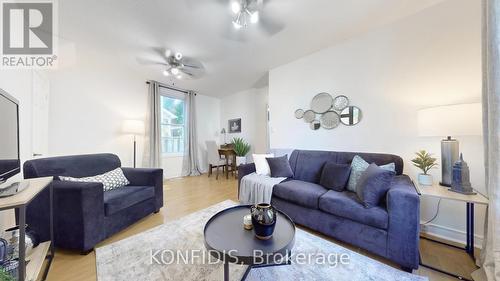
x: 315, y: 125
x: 340, y: 103
x: 321, y: 103
x: 351, y: 115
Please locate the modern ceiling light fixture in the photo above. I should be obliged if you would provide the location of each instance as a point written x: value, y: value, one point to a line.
x: 246, y: 12
x: 176, y: 65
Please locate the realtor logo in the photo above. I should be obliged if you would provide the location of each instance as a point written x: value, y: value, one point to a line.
x: 28, y: 39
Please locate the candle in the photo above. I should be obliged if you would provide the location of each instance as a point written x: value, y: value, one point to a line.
x: 247, y: 222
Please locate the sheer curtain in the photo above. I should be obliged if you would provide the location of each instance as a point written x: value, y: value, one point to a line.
x: 490, y: 254
x: 152, y: 151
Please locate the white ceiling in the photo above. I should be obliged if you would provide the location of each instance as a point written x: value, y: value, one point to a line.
x: 198, y: 28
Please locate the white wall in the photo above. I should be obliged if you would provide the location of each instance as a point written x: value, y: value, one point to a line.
x: 251, y: 107
x: 94, y: 93
x: 428, y: 59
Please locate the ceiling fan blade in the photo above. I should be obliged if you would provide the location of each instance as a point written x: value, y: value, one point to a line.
x: 193, y: 63
x: 145, y: 61
x: 193, y: 72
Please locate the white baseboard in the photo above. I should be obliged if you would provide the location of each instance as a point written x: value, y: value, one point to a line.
x: 450, y: 234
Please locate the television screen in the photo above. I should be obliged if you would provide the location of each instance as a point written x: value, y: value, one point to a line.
x: 9, y: 137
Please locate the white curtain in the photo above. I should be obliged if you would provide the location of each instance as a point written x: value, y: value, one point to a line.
x: 190, y: 163
x: 152, y: 151
x: 490, y: 254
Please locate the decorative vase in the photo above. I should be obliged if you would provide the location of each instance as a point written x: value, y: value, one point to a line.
x: 263, y: 220
x: 240, y: 160
x: 424, y: 179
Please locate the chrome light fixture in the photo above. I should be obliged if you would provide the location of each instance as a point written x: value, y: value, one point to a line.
x: 245, y: 12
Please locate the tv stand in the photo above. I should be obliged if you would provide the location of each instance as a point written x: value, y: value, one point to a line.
x: 14, y: 188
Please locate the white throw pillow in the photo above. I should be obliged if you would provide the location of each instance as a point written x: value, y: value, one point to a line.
x: 261, y: 165
x: 111, y: 180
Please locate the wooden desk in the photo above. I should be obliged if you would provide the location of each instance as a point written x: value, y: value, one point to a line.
x: 442, y: 192
x: 229, y: 153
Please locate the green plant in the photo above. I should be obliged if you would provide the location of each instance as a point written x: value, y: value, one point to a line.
x: 4, y: 276
x: 424, y: 161
x: 240, y: 147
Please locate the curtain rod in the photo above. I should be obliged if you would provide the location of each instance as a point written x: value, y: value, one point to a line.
x: 171, y: 87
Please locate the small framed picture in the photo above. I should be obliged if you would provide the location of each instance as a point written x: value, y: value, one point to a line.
x: 234, y: 126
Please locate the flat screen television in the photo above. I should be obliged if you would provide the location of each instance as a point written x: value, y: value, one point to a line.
x: 10, y: 163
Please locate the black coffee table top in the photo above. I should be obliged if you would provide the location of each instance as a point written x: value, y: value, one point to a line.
x: 224, y: 232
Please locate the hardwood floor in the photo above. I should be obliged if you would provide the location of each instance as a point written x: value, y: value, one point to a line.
x: 186, y: 195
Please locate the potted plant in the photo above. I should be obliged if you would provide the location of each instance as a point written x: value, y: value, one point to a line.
x: 424, y: 161
x: 241, y: 148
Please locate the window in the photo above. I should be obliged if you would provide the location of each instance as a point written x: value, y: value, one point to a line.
x: 172, y: 125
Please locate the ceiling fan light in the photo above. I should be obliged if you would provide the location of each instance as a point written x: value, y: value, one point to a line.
x: 236, y: 24
x: 166, y: 73
x: 168, y: 53
x: 174, y: 71
x: 179, y: 76
x: 178, y: 56
x: 254, y: 18
x: 235, y: 7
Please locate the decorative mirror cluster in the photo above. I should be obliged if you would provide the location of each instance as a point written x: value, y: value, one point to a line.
x: 327, y: 112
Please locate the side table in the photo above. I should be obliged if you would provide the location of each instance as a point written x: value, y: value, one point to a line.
x: 44, y: 250
x: 442, y: 192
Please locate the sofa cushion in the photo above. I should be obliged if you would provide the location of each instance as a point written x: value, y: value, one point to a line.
x: 280, y: 167
x: 300, y: 192
x: 347, y: 205
x: 122, y: 198
x: 110, y: 180
x: 358, y: 166
x: 335, y: 176
x: 373, y: 185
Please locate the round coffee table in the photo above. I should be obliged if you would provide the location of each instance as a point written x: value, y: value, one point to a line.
x: 227, y: 240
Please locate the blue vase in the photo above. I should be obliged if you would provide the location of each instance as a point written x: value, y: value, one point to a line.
x: 263, y: 220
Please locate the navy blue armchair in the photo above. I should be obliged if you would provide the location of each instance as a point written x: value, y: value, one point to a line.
x: 84, y: 214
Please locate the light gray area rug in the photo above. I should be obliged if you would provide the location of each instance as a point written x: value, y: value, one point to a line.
x: 130, y: 259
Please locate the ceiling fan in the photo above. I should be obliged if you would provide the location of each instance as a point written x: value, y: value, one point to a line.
x: 176, y: 65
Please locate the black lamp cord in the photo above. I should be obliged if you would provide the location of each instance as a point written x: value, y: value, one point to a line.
x: 435, y: 215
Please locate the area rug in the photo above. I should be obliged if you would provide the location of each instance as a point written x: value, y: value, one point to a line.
x: 136, y: 258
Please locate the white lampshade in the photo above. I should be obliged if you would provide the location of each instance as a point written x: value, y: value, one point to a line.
x: 450, y: 120
x: 133, y: 127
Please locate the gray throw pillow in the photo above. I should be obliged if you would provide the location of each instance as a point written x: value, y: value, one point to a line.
x: 111, y: 180
x: 358, y: 166
x: 373, y: 185
x: 335, y: 176
x: 280, y: 167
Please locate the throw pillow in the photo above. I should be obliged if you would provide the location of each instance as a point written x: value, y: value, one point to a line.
x: 280, y: 167
x: 261, y: 165
x: 111, y: 180
x: 335, y: 176
x: 373, y: 185
x: 358, y: 166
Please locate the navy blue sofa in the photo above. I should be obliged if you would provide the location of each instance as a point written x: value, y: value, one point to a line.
x: 390, y: 230
x: 84, y: 214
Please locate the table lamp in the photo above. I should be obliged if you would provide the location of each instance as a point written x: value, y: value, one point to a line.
x: 133, y: 127
x: 449, y: 121
x: 223, y: 131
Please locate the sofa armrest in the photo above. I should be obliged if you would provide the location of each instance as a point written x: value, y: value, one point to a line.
x: 403, y: 206
x: 243, y: 170
x: 147, y: 177
x: 78, y: 214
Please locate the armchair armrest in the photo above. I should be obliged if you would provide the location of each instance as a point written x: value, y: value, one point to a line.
x: 78, y: 214
x: 403, y: 206
x: 243, y: 170
x: 147, y: 177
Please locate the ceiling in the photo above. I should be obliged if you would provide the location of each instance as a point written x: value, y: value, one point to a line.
x: 130, y: 29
